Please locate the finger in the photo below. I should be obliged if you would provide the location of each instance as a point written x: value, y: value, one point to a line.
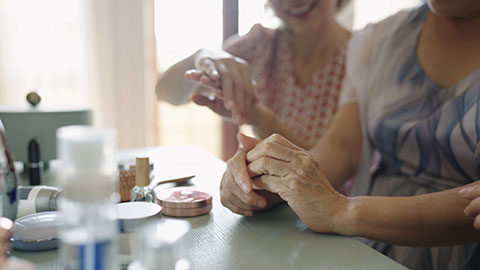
x: 201, y: 100
x: 238, y: 96
x: 248, y: 200
x: 207, y: 81
x: 271, y: 183
x: 232, y: 194
x: 248, y: 96
x: 194, y: 74
x: 271, y: 149
x: 238, y: 168
x: 219, y: 93
x: 207, y: 65
x: 268, y: 166
x: 256, y: 96
x: 476, y: 223
x: 236, y: 209
x: 247, y: 142
x: 284, y: 141
x: 228, y: 198
x: 473, y: 208
x: 470, y: 192
x: 216, y: 105
x: 227, y: 85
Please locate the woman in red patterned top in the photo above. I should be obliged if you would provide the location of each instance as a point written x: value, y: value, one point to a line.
x: 284, y: 80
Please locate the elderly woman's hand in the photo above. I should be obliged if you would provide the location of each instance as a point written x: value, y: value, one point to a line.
x: 230, y: 75
x: 283, y: 168
x: 236, y: 191
x: 473, y: 209
x: 6, y: 232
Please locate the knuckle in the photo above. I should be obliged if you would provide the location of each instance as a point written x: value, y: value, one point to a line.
x: 264, y: 162
x: 275, y: 137
x: 294, y: 184
x: 307, y: 161
x: 268, y: 146
x: 301, y: 172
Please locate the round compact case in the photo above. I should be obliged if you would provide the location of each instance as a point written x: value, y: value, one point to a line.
x: 39, y: 231
x: 184, y: 202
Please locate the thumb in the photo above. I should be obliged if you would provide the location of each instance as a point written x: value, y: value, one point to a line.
x: 247, y: 142
x: 201, y: 100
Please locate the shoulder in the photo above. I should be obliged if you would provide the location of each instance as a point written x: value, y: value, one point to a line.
x: 367, y: 46
x: 366, y: 43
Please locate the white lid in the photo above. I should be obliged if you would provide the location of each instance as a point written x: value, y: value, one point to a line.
x: 88, y: 168
x: 133, y: 214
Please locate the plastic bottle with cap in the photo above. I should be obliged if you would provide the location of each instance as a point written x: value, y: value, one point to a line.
x: 87, y: 175
x: 142, y: 190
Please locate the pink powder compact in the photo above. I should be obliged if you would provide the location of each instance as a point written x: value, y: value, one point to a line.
x: 184, y: 202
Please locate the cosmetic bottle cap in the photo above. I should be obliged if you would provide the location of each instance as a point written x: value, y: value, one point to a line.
x: 142, y: 174
x: 87, y: 156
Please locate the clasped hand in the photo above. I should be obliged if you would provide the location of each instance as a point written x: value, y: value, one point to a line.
x: 235, y: 93
x: 280, y: 167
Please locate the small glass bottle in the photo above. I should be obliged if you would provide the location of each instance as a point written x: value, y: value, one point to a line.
x: 142, y: 190
x: 89, y: 233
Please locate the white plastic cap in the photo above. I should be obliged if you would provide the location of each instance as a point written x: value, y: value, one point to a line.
x: 88, y: 167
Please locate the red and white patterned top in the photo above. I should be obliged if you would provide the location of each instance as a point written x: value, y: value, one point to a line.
x: 307, y: 110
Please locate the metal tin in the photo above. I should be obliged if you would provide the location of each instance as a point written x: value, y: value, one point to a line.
x: 184, y: 202
x: 186, y: 212
x: 183, y: 197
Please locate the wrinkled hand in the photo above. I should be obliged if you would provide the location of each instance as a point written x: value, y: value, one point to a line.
x: 281, y: 167
x: 6, y: 233
x: 236, y: 191
x: 231, y: 78
x: 473, y: 209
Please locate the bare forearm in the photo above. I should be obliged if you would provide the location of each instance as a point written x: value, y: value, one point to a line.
x: 424, y: 220
x: 338, y: 151
x: 336, y: 161
x: 172, y: 86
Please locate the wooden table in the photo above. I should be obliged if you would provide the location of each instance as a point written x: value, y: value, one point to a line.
x: 275, y: 239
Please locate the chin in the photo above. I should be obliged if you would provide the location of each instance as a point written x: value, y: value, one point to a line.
x: 455, y: 8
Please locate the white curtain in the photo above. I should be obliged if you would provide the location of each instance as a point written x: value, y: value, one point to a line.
x: 95, y: 53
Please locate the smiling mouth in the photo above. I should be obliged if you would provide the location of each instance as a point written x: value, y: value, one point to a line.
x: 302, y: 10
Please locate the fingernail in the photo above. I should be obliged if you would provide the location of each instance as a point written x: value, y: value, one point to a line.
x: 465, y: 191
x: 261, y: 204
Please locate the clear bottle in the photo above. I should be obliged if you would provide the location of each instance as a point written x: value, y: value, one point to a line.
x: 142, y: 190
x: 89, y: 234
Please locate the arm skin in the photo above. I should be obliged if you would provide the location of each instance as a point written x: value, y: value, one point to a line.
x: 304, y: 180
x: 338, y: 151
x: 173, y: 87
x: 424, y: 220
x: 472, y: 193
